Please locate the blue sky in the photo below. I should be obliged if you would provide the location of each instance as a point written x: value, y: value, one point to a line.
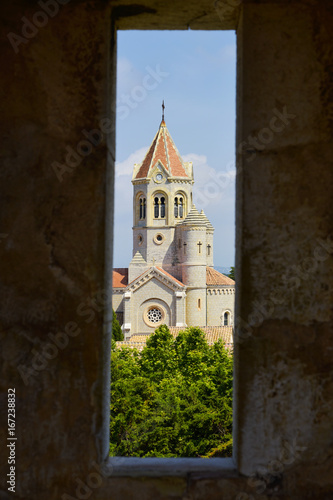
x: 194, y: 72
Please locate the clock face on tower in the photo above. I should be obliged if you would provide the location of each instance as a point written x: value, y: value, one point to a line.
x: 159, y: 177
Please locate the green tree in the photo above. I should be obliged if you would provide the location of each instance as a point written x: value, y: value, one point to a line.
x: 174, y: 399
x: 117, y: 334
x: 232, y: 273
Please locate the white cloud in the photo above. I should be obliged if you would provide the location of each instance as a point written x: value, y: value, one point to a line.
x: 127, y: 75
x: 226, y: 54
x: 126, y: 167
x: 211, y: 186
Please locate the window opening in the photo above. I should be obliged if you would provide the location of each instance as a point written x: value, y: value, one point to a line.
x: 179, y: 207
x: 159, y: 207
x: 151, y: 241
x: 154, y: 315
x: 156, y: 208
x: 142, y: 208
x: 162, y: 207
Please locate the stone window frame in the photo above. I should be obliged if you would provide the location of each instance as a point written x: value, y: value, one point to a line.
x: 140, y: 196
x: 142, y: 208
x: 78, y: 434
x: 180, y: 194
x: 160, y: 194
x: 171, y: 467
x: 228, y: 312
x: 159, y: 238
x: 251, y: 115
x: 146, y: 312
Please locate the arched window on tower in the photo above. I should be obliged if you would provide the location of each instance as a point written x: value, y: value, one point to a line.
x: 156, y: 207
x: 142, y: 208
x: 159, y: 206
x: 162, y: 211
x: 176, y: 208
x: 226, y: 319
x: 179, y: 207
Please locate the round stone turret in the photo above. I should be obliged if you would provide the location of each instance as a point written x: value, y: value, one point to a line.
x: 194, y: 263
x: 210, y: 240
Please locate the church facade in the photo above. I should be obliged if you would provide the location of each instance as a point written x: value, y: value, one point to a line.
x: 170, y: 279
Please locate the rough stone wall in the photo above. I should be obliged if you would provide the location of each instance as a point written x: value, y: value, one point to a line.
x: 53, y: 253
x: 284, y: 244
x: 52, y: 263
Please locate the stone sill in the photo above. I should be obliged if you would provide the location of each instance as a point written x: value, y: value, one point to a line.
x: 157, y: 467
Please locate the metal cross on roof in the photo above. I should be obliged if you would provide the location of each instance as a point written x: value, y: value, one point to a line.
x: 163, y: 107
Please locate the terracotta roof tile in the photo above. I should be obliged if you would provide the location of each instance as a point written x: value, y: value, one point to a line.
x: 120, y: 277
x: 160, y: 153
x: 213, y: 277
x: 144, y: 169
x: 213, y: 334
x: 164, y: 272
x: 170, y: 276
x: 176, y: 165
x: 164, y: 150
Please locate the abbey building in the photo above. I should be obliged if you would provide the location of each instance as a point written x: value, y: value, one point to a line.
x: 170, y: 279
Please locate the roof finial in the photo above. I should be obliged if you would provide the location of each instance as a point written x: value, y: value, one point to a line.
x: 163, y: 107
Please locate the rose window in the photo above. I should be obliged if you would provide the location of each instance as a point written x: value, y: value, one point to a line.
x: 154, y: 315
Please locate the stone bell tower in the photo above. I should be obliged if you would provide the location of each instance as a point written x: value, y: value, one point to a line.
x: 162, y: 198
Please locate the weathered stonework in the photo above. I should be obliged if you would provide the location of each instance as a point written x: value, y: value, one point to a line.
x: 53, y: 255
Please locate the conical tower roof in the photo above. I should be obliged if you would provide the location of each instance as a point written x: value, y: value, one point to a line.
x: 194, y: 218
x: 208, y: 223
x: 163, y: 151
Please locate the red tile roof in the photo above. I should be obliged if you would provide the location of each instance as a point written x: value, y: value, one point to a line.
x: 170, y: 276
x: 213, y: 277
x: 120, y: 277
x: 213, y: 334
x: 162, y: 150
x: 143, y: 171
x: 164, y: 272
x: 176, y: 164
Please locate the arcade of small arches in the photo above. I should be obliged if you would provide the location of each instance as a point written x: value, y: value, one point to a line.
x: 160, y: 204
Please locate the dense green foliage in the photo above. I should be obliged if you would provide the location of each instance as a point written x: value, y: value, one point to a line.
x: 232, y: 273
x: 117, y: 333
x: 174, y: 399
